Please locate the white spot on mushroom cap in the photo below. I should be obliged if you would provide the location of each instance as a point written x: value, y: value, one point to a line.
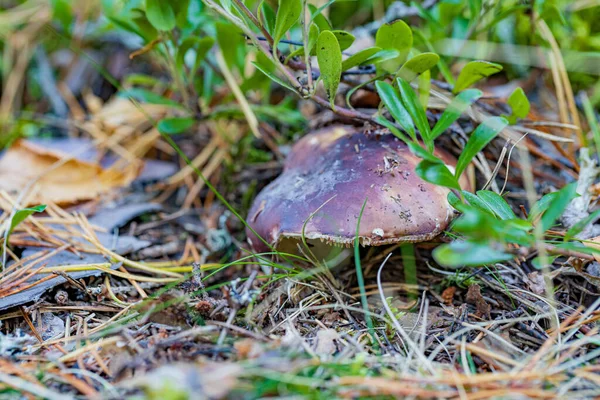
x: 378, y: 232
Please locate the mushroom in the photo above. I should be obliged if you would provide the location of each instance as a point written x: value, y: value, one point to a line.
x: 325, y: 181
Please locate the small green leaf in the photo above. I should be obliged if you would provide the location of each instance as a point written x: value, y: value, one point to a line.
x: 469, y: 253
x: 437, y: 173
x: 181, y: 9
x: 519, y: 105
x: 475, y: 71
x: 484, y: 133
x: 173, y: 126
x: 581, y: 225
x: 313, y: 35
x: 288, y: 13
x: 226, y: 4
x: 382, y: 55
x: 359, y: 58
x: 395, y: 131
x: 497, y: 204
x: 391, y: 98
x: 200, y: 45
x: 476, y: 202
x: 345, y: 39
x: 454, y: 110
x: 267, y: 67
x: 318, y: 18
x: 147, y: 96
x: 396, y: 36
x: 416, y: 111
x: 558, y: 205
x: 160, y: 14
x: 538, y: 264
x: 541, y: 206
x: 62, y: 11
x: 420, y: 152
x: 232, y: 44
x: 21, y: 215
x: 548, y: 11
x: 424, y: 88
x: 329, y: 57
x: 267, y: 15
x: 417, y: 65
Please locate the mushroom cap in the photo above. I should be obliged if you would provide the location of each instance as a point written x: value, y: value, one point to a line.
x: 325, y: 181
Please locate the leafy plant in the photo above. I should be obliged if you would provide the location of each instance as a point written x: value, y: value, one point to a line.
x: 489, y: 231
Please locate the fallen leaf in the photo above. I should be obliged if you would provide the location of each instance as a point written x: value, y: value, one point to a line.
x: 326, y: 342
x: 67, y: 183
x: 448, y: 295
x: 535, y: 282
x: 474, y: 297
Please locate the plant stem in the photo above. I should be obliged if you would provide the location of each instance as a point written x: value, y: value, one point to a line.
x: 254, y: 20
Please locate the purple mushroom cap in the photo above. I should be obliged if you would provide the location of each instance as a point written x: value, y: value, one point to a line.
x: 328, y: 176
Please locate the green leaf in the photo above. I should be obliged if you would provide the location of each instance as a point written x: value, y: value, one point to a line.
x: 141, y: 80
x: 313, y: 35
x: 416, y: 111
x: 359, y: 58
x: 329, y: 57
x: 160, y: 14
x: 538, y: 263
x: 469, y: 253
x: 268, y: 16
x: 396, y: 36
x: 484, y: 133
x: 130, y: 19
x: 173, y: 126
x: 581, y: 225
x: 549, y: 11
x: 391, y: 98
x: 395, y: 131
x: 497, y: 204
x: 181, y: 9
x: 267, y: 67
x: 558, y: 205
x: 424, y: 88
x: 420, y: 152
x: 476, y: 202
x: 519, y: 105
x: 200, y: 45
x: 454, y: 110
x: 345, y: 39
x: 437, y: 173
x: 21, y: 215
x: 288, y: 13
x: 541, y: 206
x: 382, y: 55
x: 318, y: 18
x: 475, y: 71
x: 417, y: 65
x: 232, y: 44
x: 147, y: 96
x: 226, y: 4
x: 62, y: 11
x: 480, y: 224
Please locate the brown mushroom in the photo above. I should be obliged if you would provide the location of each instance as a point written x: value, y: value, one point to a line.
x: 325, y: 181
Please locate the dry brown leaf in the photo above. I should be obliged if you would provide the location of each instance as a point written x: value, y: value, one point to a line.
x: 67, y: 183
x: 120, y: 111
